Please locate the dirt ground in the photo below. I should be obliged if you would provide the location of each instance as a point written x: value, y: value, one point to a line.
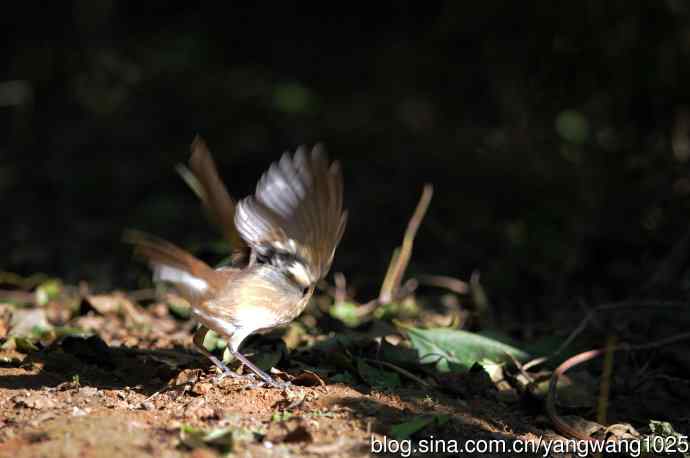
x: 47, y: 416
x: 136, y: 386
x: 113, y: 378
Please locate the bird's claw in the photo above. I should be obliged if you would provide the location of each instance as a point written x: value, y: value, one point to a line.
x: 225, y: 374
x: 281, y: 385
x: 254, y: 381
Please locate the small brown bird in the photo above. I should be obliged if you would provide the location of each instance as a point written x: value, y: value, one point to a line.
x: 283, y: 239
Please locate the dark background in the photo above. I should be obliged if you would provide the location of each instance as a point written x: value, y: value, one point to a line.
x: 556, y: 134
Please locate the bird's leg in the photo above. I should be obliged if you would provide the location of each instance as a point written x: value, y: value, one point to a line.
x: 262, y: 375
x: 225, y: 371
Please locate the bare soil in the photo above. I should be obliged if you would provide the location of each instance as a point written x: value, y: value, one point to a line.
x: 132, y: 390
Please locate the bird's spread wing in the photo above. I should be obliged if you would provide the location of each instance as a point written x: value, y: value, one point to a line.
x: 295, y: 219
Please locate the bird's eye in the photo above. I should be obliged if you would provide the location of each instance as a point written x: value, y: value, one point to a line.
x: 305, y: 291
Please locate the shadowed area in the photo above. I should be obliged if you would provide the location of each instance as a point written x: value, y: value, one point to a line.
x: 546, y: 148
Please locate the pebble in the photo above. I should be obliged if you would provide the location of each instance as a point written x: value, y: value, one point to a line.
x: 202, y: 388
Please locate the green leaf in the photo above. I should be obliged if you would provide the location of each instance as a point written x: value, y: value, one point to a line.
x: 347, y: 313
x: 293, y: 98
x: 22, y: 344
x: 180, y: 309
x: 63, y: 331
x: 343, y: 377
x: 280, y: 416
x: 406, y: 429
x: 48, y: 291
x: 212, y: 340
x: 391, y: 310
x: 572, y: 126
x: 227, y: 356
x: 493, y: 369
x: 377, y: 378
x: 267, y: 360
x: 662, y: 428
x: 397, y: 354
x: 665, y: 429
x: 40, y: 330
x: 219, y: 438
x: 457, y: 350
x: 221, y: 344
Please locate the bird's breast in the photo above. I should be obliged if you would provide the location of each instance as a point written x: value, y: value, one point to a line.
x: 259, y: 297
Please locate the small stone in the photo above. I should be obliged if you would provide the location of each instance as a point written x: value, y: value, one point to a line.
x: 205, y: 413
x: 88, y: 391
x: 174, y: 425
x: 188, y: 376
x: 203, y: 453
x: 199, y: 409
x: 34, y: 402
x: 202, y: 388
x: 148, y: 405
x: 64, y: 386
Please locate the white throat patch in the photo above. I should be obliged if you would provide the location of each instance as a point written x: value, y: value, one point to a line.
x: 301, y: 274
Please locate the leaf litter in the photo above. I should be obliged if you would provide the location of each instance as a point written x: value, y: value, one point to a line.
x: 115, y: 371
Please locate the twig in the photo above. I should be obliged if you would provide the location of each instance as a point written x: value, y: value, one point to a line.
x: 560, y: 425
x: 406, y: 290
x: 143, y: 294
x: 481, y: 301
x: 452, y: 284
x: 401, y: 259
x: 164, y: 389
x: 609, y: 307
x: 536, y: 361
x: 18, y: 296
x: 391, y: 289
x: 656, y: 344
x: 386, y: 285
x: 605, y: 386
x: 340, y: 293
x: 400, y: 370
x: 520, y: 367
x: 11, y: 278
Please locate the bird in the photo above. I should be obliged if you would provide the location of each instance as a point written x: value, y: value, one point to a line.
x: 283, y: 239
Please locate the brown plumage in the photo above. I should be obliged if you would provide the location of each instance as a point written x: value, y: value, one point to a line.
x: 164, y: 255
x: 218, y: 203
x: 283, y: 239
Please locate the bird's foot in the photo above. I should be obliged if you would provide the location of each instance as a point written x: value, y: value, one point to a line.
x: 265, y: 378
x: 227, y: 373
x: 281, y: 385
x: 272, y: 383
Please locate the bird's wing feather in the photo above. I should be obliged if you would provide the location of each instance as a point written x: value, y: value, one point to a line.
x: 296, y: 215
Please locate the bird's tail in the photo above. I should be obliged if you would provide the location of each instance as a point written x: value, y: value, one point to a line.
x: 192, y: 277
